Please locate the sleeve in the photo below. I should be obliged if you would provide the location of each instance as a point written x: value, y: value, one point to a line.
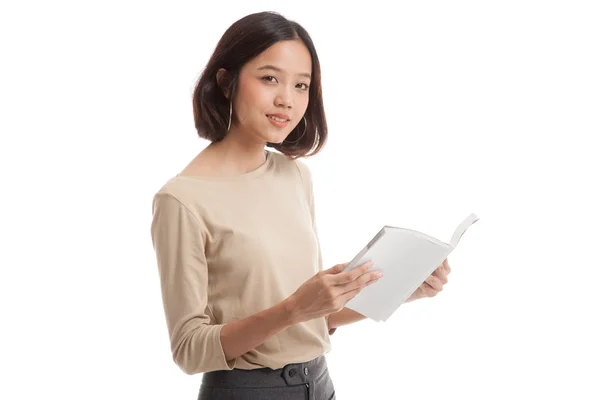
x: 178, y: 239
x: 306, y: 175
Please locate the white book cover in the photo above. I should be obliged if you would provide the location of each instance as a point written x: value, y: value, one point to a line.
x: 406, y: 257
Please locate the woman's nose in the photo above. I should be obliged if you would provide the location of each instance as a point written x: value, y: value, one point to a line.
x: 283, y: 99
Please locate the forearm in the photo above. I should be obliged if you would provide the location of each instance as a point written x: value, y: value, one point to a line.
x: 343, y: 317
x: 239, y: 337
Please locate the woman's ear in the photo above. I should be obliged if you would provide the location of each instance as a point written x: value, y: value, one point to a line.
x: 223, y: 81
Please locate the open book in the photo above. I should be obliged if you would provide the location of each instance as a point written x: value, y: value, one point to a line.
x: 406, y: 257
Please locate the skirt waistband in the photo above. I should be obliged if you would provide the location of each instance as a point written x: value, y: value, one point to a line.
x: 289, y: 375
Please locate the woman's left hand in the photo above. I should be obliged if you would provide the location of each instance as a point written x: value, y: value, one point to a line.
x: 433, y: 284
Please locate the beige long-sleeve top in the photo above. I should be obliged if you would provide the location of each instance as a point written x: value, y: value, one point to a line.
x: 227, y: 248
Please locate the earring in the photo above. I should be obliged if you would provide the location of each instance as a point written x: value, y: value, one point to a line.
x: 303, y: 133
x: 230, y: 111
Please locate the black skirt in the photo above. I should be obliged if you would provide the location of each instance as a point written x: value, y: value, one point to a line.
x: 301, y: 381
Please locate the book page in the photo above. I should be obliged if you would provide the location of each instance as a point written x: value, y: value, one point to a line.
x: 462, y: 228
x: 406, y: 260
x: 406, y: 257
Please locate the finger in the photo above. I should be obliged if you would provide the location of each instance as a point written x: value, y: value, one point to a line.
x: 352, y: 292
x: 352, y: 275
x: 446, y: 266
x: 425, y: 290
x: 440, y: 273
x: 359, y: 283
x: 428, y: 290
x: 434, y: 282
x: 336, y: 269
x: 346, y: 297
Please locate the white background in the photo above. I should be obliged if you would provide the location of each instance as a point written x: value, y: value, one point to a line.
x: 435, y: 109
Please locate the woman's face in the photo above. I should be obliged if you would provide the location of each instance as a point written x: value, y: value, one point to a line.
x: 272, y: 94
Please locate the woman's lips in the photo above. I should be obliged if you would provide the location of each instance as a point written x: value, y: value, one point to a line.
x: 278, y: 121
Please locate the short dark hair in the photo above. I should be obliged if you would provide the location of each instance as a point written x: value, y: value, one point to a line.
x: 241, y: 42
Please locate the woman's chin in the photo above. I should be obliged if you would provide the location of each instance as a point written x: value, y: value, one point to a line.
x: 276, y: 138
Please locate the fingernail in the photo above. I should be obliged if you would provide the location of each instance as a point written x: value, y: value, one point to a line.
x: 378, y: 274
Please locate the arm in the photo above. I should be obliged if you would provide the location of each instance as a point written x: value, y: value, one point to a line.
x: 262, y: 325
x: 239, y: 337
x: 197, y: 344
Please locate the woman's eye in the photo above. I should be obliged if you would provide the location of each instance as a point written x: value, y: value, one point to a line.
x: 270, y: 78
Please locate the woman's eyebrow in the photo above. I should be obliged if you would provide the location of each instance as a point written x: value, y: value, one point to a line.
x: 274, y: 68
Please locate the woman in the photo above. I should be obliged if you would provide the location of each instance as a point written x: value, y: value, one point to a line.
x: 246, y: 298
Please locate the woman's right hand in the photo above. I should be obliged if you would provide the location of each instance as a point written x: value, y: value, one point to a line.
x: 328, y: 291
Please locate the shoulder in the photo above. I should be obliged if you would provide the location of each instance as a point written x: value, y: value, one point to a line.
x: 173, y: 190
x: 178, y: 197
x: 305, y: 173
x: 297, y: 166
x: 291, y: 168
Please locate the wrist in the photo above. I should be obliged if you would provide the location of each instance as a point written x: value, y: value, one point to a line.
x: 289, y: 311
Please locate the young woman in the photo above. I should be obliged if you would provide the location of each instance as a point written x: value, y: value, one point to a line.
x: 246, y: 298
